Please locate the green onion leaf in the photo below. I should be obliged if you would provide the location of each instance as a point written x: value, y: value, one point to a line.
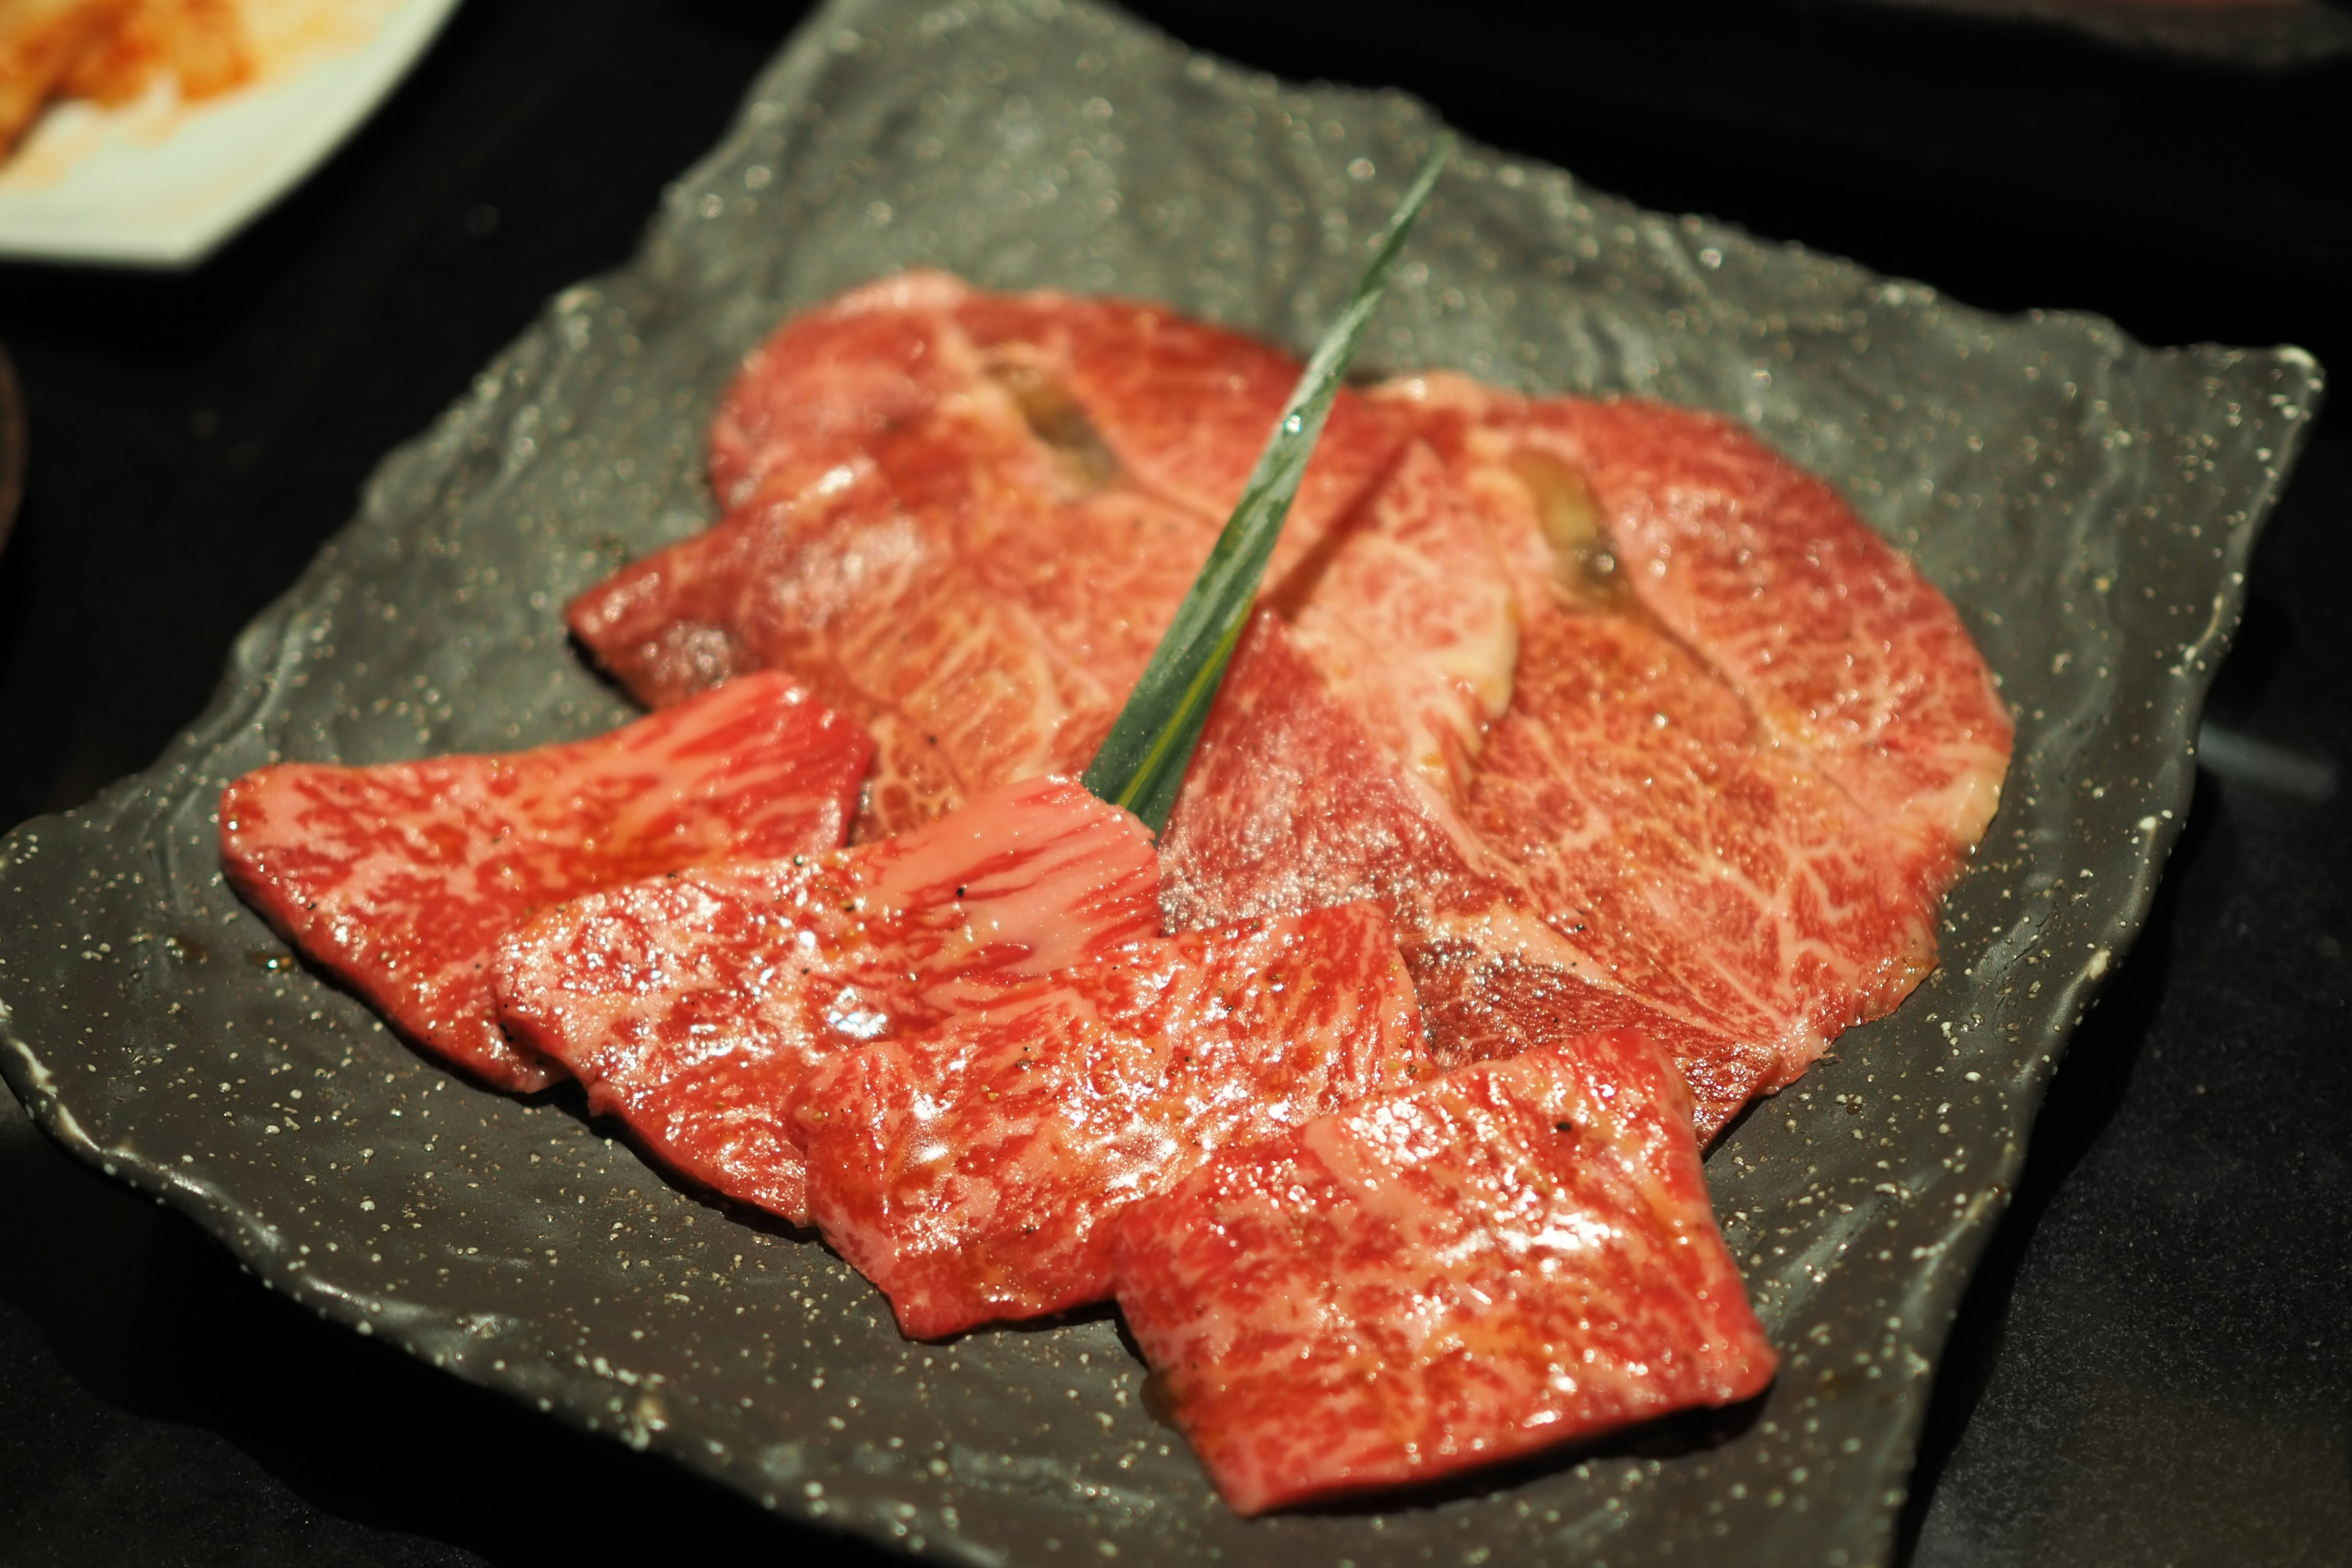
x: 1142, y: 764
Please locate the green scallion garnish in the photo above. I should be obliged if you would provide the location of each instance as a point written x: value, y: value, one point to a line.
x: 1141, y: 766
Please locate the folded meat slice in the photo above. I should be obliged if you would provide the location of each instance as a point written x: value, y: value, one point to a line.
x: 401, y: 878
x: 1513, y: 1255
x: 974, y: 1171
x: 691, y: 1005
x: 965, y: 519
x: 1409, y: 617
x: 859, y: 598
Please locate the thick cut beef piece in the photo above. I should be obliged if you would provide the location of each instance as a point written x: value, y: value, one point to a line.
x: 974, y: 1171
x: 691, y: 1005
x: 401, y: 878
x: 1515, y: 1255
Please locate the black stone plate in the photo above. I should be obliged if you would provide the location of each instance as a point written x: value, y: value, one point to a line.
x: 2087, y: 502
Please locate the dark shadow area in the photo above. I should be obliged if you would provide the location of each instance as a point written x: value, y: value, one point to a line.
x: 2263, y: 646
x: 2087, y: 1087
x: 568, y: 1096
x: 12, y: 447
x: 2093, y: 177
x: 21, y: 571
x: 1668, y: 1437
x: 195, y: 437
x: 158, y: 1321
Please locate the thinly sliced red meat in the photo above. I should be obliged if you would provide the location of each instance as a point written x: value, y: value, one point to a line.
x: 1409, y: 618
x: 1750, y: 747
x: 1717, y: 878
x: 974, y: 1171
x: 1292, y: 803
x: 1829, y: 637
x: 1644, y: 836
x: 1514, y: 1255
x: 965, y: 520
x: 859, y: 598
x: 1182, y: 408
x: 401, y: 878
x: 1630, y: 719
x: 830, y: 380
x: 1486, y: 995
x: 1825, y: 633
x: 690, y: 1005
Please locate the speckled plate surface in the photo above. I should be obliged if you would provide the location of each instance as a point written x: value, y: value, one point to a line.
x: 2089, y: 503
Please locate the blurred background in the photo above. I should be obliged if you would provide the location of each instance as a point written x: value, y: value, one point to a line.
x: 2152, y: 1365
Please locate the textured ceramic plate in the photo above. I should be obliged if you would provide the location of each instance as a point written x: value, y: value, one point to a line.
x: 156, y: 183
x: 2089, y: 503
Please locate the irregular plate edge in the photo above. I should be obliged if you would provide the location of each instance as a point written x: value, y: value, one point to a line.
x: 1938, y: 1292
x: 264, y: 645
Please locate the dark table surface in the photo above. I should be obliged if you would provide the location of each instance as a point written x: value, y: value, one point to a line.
x: 2152, y: 1366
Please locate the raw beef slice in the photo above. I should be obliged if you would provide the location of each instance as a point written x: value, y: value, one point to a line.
x: 973, y: 1171
x: 691, y: 1005
x: 400, y: 878
x: 965, y: 519
x: 1688, y: 745
x: 1515, y: 1255
x: 1293, y: 803
x: 1747, y: 748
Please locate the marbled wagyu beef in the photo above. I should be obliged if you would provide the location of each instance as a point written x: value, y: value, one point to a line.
x: 975, y: 1170
x: 402, y: 878
x: 1584, y: 770
x: 965, y: 518
x: 1510, y: 1257
x: 1630, y: 720
x: 691, y: 1005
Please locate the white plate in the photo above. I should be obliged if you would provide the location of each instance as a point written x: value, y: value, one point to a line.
x: 158, y: 184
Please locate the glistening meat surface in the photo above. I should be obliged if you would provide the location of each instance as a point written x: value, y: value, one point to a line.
x: 690, y: 1005
x: 1510, y: 1257
x: 401, y: 878
x: 1629, y: 720
x: 974, y: 1171
x: 965, y: 519
x: 1293, y: 803
x: 1744, y: 858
